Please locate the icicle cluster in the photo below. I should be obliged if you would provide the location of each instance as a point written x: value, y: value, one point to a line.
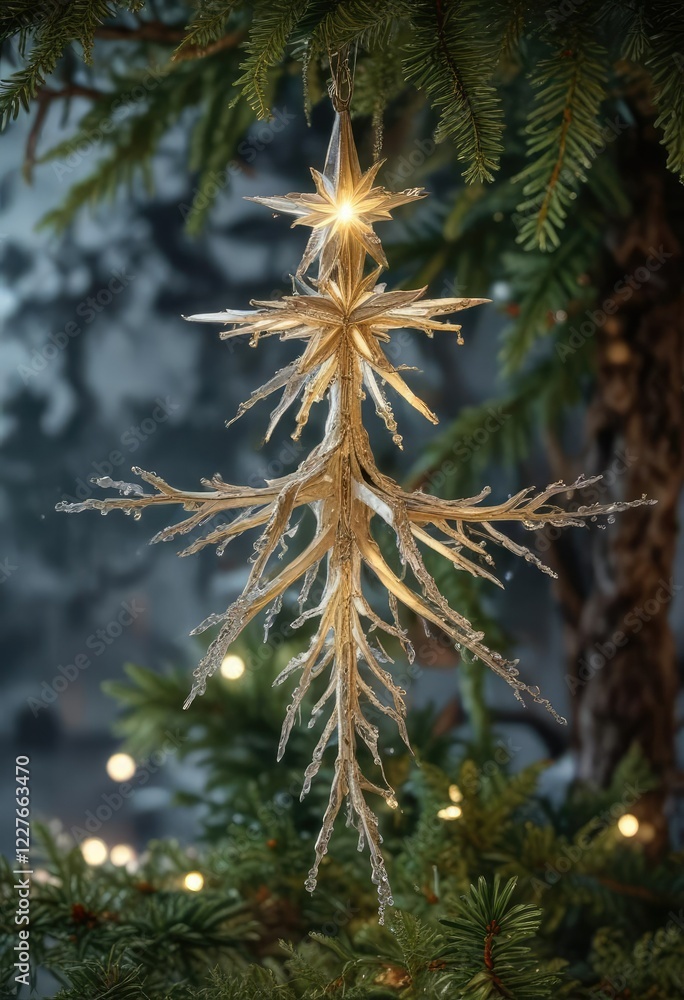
x: 343, y: 316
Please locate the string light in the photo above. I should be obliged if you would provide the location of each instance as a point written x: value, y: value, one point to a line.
x: 121, y: 855
x: 194, y: 881
x: 232, y: 667
x: 94, y: 851
x: 120, y: 767
x: 628, y: 825
x: 450, y: 812
x: 455, y: 793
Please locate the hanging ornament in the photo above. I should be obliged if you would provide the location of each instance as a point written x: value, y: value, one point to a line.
x: 344, y: 316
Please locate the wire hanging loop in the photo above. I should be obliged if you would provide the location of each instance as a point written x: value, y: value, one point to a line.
x: 342, y: 83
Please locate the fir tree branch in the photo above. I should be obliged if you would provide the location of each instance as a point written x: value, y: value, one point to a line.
x: 665, y: 61
x: 564, y: 137
x: 53, y: 26
x: 490, y: 942
x: 44, y: 98
x: 272, y: 26
x: 452, y: 57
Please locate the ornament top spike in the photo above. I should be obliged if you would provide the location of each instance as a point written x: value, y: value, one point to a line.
x: 346, y: 203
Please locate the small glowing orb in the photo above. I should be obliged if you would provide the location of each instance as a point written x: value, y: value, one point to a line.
x: 455, y: 793
x: 94, y: 851
x: 232, y: 667
x: 121, y: 854
x: 194, y: 881
x: 450, y: 812
x: 628, y: 825
x: 345, y: 213
x: 120, y: 767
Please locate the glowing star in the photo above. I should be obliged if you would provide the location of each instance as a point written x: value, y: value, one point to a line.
x: 344, y: 206
x: 344, y: 318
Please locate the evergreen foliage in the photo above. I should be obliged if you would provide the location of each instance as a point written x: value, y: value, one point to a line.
x: 467, y: 59
x: 513, y: 896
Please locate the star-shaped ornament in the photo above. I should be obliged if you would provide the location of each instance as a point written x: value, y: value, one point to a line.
x: 365, y: 315
x: 344, y: 206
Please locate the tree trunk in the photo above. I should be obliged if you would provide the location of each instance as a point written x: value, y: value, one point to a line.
x: 623, y: 661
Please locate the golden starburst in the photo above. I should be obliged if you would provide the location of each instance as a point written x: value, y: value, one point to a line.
x: 344, y: 206
x: 364, y: 314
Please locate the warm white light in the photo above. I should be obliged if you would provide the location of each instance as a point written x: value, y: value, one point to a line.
x: 232, y: 667
x: 628, y: 825
x: 450, y: 812
x: 345, y: 213
x: 455, y: 793
x: 193, y: 881
x: 94, y: 851
x: 121, y: 854
x: 120, y: 767
x: 43, y: 877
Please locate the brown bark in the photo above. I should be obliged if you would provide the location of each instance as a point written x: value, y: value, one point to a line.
x: 623, y: 661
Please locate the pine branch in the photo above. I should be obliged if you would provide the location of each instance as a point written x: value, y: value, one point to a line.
x: 355, y: 21
x: 564, y: 138
x: 272, y: 26
x: 132, y: 145
x: 110, y: 980
x: 452, y: 57
x: 665, y: 61
x: 53, y: 26
x: 490, y: 944
x: 208, y: 25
